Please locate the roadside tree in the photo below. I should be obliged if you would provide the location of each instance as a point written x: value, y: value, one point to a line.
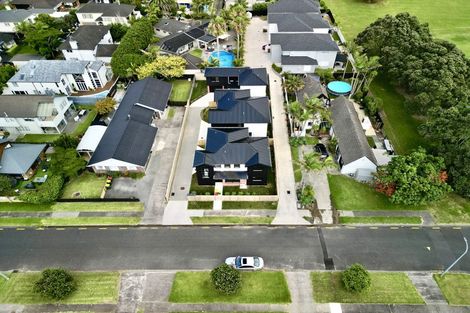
x: 226, y: 279
x: 356, y: 278
x: 55, y: 284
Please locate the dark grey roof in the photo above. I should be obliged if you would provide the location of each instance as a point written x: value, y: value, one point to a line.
x: 173, y: 43
x: 207, y: 38
x: 246, y: 76
x: 48, y: 71
x: 22, y: 106
x: 352, y: 140
x: 341, y: 57
x: 129, y: 137
x: 37, y: 4
x: 26, y: 57
x: 7, y: 37
x: 171, y: 26
x: 294, y: 6
x: 233, y: 93
x: 195, y: 32
x: 233, y: 146
x: 16, y: 16
x: 106, y: 50
x: 297, y: 22
x: 288, y: 60
x: 304, y: 42
x: 312, y: 88
x: 108, y: 9
x: 17, y: 159
x: 233, y: 109
x: 86, y: 36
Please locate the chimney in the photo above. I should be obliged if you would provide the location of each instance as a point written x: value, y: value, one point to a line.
x: 73, y: 44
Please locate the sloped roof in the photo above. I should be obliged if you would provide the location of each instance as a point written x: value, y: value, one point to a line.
x: 91, y: 138
x: 352, y: 140
x: 294, y: 6
x: 38, y: 4
x: 288, y: 60
x: 48, y: 71
x: 171, y: 25
x: 246, y: 76
x: 86, y: 36
x: 174, y: 42
x: 304, y: 42
x: 233, y: 146
x: 108, y: 9
x: 106, y: 50
x: 18, y: 158
x: 22, y: 106
x: 16, y: 16
x: 297, y: 22
x: 312, y: 88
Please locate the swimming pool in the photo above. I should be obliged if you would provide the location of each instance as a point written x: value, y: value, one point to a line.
x: 225, y: 58
x: 339, y: 88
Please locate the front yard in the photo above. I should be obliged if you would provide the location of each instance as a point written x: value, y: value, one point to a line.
x: 86, y: 186
x: 180, y: 90
x: 455, y: 288
x: 199, y: 90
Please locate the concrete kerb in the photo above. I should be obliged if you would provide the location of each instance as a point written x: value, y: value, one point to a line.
x: 178, y: 145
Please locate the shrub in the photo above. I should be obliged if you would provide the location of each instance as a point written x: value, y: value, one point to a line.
x: 226, y: 279
x: 5, y: 184
x: 47, y: 192
x: 278, y: 69
x: 356, y: 278
x: 371, y: 105
x: 260, y: 9
x: 55, y: 284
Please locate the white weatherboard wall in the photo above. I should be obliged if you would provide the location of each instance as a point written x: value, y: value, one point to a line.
x: 256, y: 91
x: 299, y: 69
x: 116, y: 165
x: 362, y: 163
x: 325, y: 59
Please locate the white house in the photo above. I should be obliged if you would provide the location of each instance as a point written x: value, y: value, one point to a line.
x: 10, y: 19
x: 353, y: 152
x: 49, y: 77
x: 34, y: 114
x: 106, y: 14
x: 56, y: 5
x: 85, y: 42
x: 19, y: 60
x: 297, y: 23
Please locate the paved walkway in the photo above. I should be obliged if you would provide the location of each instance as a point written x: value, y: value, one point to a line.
x: 425, y: 216
x: 256, y: 57
x: 301, y: 291
x: 427, y: 287
x: 319, y: 182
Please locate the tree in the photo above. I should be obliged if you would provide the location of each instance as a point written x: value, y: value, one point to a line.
x: 293, y: 83
x: 118, y: 31
x: 226, y: 279
x: 415, y: 178
x: 199, y: 8
x: 356, y: 278
x: 48, y: 192
x: 67, y: 162
x: 319, y: 111
x: 5, y: 184
x: 313, y: 162
x: 217, y: 27
x: 105, y: 105
x: 66, y: 141
x: 6, y: 72
x: 307, y: 196
x: 55, y: 284
x: 167, y: 6
x: 167, y: 66
x: 42, y: 37
x: 238, y: 22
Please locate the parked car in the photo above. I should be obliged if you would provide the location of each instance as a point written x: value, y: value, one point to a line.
x: 320, y: 148
x: 250, y: 263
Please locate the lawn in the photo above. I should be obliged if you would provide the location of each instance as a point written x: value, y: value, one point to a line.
x: 72, y: 221
x: 380, y: 220
x: 92, y: 288
x: 399, y: 125
x: 97, y: 206
x: 200, y: 205
x: 85, y: 123
x: 249, y: 205
x: 257, y: 287
x: 21, y: 49
x: 196, y: 53
x: 452, y: 209
x: 455, y: 288
x: 24, y: 207
x: 389, y: 288
x: 199, y: 90
x: 171, y: 113
x: 38, y: 138
x: 86, y: 186
x: 239, y: 220
x: 180, y: 91
x: 447, y: 19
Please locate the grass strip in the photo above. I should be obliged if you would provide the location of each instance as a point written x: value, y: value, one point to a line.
x: 97, y: 206
x: 380, y: 220
x: 455, y: 288
x: 83, y: 125
x: 249, y: 205
x: 231, y: 220
x: 199, y: 90
x: 257, y: 287
x: 200, y: 205
x: 72, y: 221
x: 24, y: 207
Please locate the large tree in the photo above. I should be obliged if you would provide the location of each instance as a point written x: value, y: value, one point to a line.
x: 238, y: 22
x: 105, y: 105
x: 42, y: 37
x: 167, y: 66
x: 411, y: 179
x: 217, y: 27
x: 66, y: 162
x: 166, y: 6
x: 293, y: 83
x: 6, y: 72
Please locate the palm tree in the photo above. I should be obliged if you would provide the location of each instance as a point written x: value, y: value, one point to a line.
x: 217, y: 27
x: 318, y: 110
x: 313, y: 162
x: 166, y: 5
x: 293, y: 83
x: 238, y: 22
x: 243, y: 3
x: 295, y: 112
x: 365, y: 67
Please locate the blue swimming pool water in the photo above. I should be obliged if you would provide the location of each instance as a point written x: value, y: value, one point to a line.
x: 339, y: 88
x: 225, y: 58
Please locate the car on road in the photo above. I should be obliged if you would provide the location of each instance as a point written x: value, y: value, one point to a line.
x: 321, y: 149
x: 250, y: 263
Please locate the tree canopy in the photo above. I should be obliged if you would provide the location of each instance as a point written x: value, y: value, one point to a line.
x: 6, y: 72
x: 105, y: 105
x: 118, y: 31
x: 167, y: 66
x: 67, y: 162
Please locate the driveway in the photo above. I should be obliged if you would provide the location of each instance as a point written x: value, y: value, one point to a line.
x: 152, y: 187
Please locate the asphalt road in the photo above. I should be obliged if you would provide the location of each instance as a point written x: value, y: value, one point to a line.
x: 384, y: 248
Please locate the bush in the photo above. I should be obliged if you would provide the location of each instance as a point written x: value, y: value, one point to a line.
x: 356, y: 278
x: 371, y: 105
x: 278, y: 69
x: 47, y: 192
x: 5, y: 184
x: 226, y: 279
x: 260, y: 9
x: 55, y: 284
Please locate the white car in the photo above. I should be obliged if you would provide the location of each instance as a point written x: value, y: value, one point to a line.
x: 250, y: 263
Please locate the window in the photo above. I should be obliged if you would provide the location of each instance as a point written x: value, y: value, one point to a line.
x: 69, y: 51
x: 236, y: 165
x: 205, y: 173
x: 20, y: 93
x: 29, y: 120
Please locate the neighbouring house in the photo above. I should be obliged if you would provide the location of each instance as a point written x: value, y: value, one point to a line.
x: 232, y: 157
x: 19, y: 60
x: 179, y: 43
x: 235, y: 108
x: 294, y: 6
x: 10, y: 19
x: 166, y: 27
x: 49, y: 77
x: 21, y: 115
x: 127, y: 143
x: 255, y: 79
x: 83, y: 43
x: 104, y: 52
x: 90, y: 140
x: 56, y: 5
x: 353, y: 152
x: 7, y: 41
x: 20, y: 159
x: 297, y: 23
x: 106, y: 14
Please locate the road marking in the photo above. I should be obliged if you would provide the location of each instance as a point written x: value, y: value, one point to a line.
x: 103, y: 228
x: 415, y: 227
x: 122, y: 227
x: 223, y: 226
x: 335, y: 308
x: 205, y: 227
x: 436, y: 228
x: 1, y: 228
x: 82, y: 228
x: 373, y: 227
x: 457, y: 227
x: 144, y: 227
x: 351, y: 227
x: 291, y: 227
x: 20, y: 229
x: 174, y: 227
x: 60, y: 229
x: 40, y: 228
x: 393, y: 227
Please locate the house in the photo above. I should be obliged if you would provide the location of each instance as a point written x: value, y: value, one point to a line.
x: 83, y: 43
x: 106, y: 14
x: 303, y: 52
x: 90, y: 140
x: 10, y: 19
x: 297, y: 23
x: 183, y: 42
x: 294, y: 6
x: 21, y: 115
x: 19, y: 60
x: 48, y: 77
x: 166, y: 27
x: 20, y: 159
x: 255, y: 79
x: 127, y: 142
x: 231, y: 156
x: 235, y: 108
x: 7, y: 41
x: 56, y: 5
x: 353, y: 152
x: 104, y: 52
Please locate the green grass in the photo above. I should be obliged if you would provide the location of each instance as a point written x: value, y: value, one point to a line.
x: 24, y: 207
x: 452, y: 209
x: 97, y: 206
x: 88, y: 185
x: 200, y: 205
x: 231, y: 220
x: 296, y: 164
x: 73, y: 221
x: 447, y: 19
x: 38, y: 138
x: 20, y: 221
x: 171, y: 113
x: 380, y: 220
x: 399, y: 125
x: 388, y: 288
x: 371, y: 142
x: 92, y: 288
x: 257, y: 287
x: 199, y: 90
x: 455, y: 288
x: 21, y: 49
x: 180, y: 91
x: 84, y: 124
x: 249, y: 205
x: 196, y: 53
x: 348, y: 194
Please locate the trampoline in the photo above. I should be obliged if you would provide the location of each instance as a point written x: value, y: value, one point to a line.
x: 339, y: 88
